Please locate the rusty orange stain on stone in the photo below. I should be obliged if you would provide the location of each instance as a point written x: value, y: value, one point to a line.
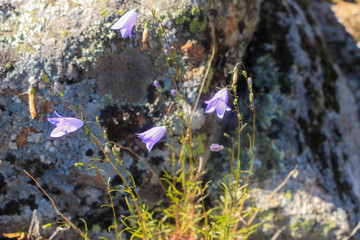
x: 194, y: 54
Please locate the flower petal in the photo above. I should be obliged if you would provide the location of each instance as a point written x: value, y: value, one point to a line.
x: 124, y: 19
x: 64, y: 125
x: 54, y: 121
x: 220, y: 110
x: 58, y: 132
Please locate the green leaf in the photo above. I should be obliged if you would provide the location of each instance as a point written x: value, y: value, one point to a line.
x: 44, y: 227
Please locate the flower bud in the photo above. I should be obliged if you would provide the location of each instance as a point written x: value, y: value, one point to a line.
x: 145, y: 32
x: 249, y: 82
x: 173, y: 92
x: 216, y: 147
x: 251, y: 97
x: 244, y: 73
x: 32, y: 109
x: 235, y: 101
x: 58, y: 89
x: 157, y: 85
x: 167, y: 49
x: 44, y: 77
x: 235, y: 77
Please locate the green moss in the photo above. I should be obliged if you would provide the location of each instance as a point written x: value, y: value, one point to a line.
x: 200, y: 148
x: 34, y: 15
x: 194, y: 19
x: 95, y: 45
x: 8, y: 65
x: 268, y: 216
x: 64, y: 33
x: 288, y: 195
x: 208, y: 80
x: 198, y: 26
x: 105, y: 13
x: 120, y: 12
x: 179, y: 20
x: 303, y: 228
x: 327, y: 227
x: 195, y: 11
x: 96, y: 228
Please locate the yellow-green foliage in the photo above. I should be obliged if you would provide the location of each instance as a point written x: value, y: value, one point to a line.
x: 302, y: 228
x: 208, y: 79
x: 200, y: 149
x: 64, y: 33
x: 288, y: 195
x: 197, y: 22
x: 327, y: 227
x: 179, y: 20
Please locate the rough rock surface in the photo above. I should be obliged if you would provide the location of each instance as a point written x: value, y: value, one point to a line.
x: 304, y: 65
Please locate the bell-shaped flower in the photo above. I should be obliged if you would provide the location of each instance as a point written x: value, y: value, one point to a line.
x: 218, y: 103
x: 126, y: 23
x: 64, y: 125
x: 152, y: 136
x: 216, y: 147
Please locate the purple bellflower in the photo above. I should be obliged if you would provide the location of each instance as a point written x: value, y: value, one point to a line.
x: 152, y: 136
x: 126, y: 23
x: 64, y: 125
x: 218, y: 103
x: 216, y: 147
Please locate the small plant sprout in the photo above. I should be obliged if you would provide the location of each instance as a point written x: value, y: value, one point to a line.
x: 64, y: 125
x: 218, y: 103
x: 216, y: 147
x: 152, y: 136
x: 126, y: 23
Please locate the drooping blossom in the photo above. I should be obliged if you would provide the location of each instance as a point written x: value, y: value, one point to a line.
x: 218, y: 103
x: 64, y: 125
x: 126, y: 23
x: 152, y: 136
x: 216, y: 147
